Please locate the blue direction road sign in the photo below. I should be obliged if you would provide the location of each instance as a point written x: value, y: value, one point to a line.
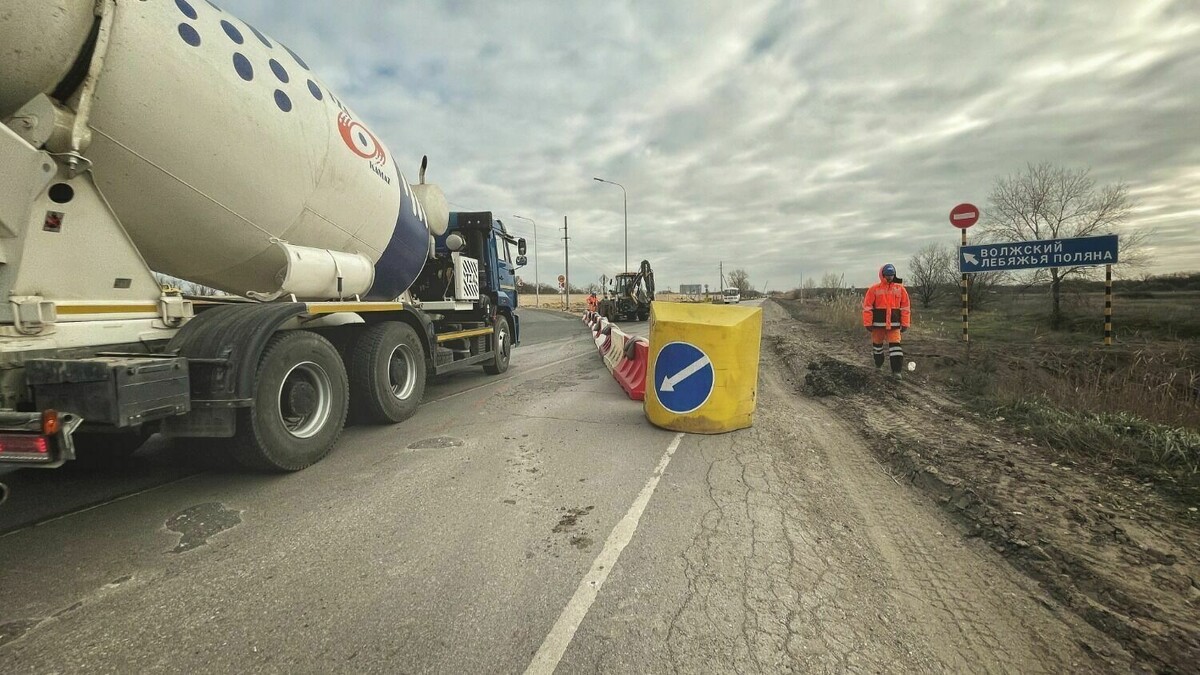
x: 1032, y: 255
x: 683, y: 377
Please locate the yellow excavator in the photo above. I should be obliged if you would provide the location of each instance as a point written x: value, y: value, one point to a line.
x: 629, y: 297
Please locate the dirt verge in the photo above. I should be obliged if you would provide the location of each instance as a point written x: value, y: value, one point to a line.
x: 1103, y: 543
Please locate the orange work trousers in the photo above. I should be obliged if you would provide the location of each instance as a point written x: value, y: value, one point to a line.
x: 882, y: 335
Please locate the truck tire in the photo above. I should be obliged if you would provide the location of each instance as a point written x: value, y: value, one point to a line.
x: 643, y: 314
x: 300, y: 399
x: 503, y: 342
x: 386, y: 367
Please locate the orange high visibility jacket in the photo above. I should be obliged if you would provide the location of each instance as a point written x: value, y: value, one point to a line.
x: 886, y: 305
x: 592, y: 302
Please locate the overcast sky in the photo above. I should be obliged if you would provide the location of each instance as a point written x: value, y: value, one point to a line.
x: 785, y: 137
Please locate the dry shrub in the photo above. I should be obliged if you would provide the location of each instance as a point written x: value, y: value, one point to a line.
x: 1161, y: 385
x: 1135, y: 407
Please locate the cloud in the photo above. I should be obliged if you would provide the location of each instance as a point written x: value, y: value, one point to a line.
x: 785, y: 137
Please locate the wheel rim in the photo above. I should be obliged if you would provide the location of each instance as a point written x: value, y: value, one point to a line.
x: 503, y: 339
x: 402, y: 372
x: 305, y: 399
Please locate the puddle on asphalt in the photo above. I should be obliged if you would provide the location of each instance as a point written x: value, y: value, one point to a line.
x: 15, y: 630
x: 196, y: 524
x: 439, y: 443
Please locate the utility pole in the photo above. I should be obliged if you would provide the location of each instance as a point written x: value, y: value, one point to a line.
x: 567, y: 264
x: 722, y: 268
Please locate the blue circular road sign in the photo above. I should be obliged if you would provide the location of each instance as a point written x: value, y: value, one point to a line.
x: 683, y: 377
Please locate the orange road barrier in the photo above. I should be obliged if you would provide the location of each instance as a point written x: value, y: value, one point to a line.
x: 630, y: 372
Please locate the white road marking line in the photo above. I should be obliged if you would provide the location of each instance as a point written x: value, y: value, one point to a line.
x: 556, y: 643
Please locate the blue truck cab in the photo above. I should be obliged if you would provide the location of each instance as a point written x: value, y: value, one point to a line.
x: 468, y: 286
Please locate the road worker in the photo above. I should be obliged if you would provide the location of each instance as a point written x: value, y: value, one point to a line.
x: 593, y: 302
x: 887, y: 314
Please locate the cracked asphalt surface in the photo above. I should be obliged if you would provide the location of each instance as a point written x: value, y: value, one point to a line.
x: 451, y: 543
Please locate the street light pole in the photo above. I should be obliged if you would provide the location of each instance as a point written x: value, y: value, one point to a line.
x: 537, y: 284
x: 625, y: 204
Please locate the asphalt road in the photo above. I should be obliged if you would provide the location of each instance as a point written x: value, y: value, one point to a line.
x: 38, y: 495
x: 535, y: 523
x: 402, y: 550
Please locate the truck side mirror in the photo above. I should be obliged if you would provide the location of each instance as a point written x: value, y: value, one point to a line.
x: 521, y: 248
x: 522, y: 261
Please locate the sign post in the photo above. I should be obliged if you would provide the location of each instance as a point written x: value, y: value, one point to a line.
x: 963, y: 216
x: 1108, y: 305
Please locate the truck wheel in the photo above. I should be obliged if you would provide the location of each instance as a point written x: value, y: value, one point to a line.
x: 503, y: 342
x: 300, y: 400
x: 386, y: 366
x: 643, y: 314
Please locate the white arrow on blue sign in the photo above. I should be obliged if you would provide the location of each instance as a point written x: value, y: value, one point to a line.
x: 683, y: 377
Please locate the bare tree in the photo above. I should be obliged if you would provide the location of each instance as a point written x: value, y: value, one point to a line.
x: 739, y: 279
x: 983, y: 287
x: 931, y: 272
x: 1053, y: 202
x: 833, y: 284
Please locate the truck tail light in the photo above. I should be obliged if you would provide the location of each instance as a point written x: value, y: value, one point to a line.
x: 26, y: 446
x: 37, y: 438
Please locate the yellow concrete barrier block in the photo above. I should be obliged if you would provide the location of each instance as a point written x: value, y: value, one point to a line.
x: 703, y: 371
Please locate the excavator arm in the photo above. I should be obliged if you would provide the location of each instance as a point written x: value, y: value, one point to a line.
x: 642, y: 287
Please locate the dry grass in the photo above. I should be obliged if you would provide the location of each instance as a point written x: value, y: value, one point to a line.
x: 842, y: 314
x: 1136, y: 403
x: 1148, y: 449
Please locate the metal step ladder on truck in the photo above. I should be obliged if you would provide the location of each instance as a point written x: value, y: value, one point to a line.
x: 132, y: 141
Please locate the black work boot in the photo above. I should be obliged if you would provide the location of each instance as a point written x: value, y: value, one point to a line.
x: 897, y: 365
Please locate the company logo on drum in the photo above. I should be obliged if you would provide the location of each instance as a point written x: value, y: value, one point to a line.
x: 362, y: 142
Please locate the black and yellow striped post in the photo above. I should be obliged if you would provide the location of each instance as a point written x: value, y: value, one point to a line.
x: 1108, y: 305
x: 966, y: 336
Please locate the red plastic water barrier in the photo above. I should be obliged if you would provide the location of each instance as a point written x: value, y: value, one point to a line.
x: 604, y: 339
x: 630, y: 372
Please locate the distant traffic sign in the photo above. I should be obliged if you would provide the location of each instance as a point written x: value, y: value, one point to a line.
x: 1029, y: 255
x: 964, y: 215
x: 683, y: 377
x: 561, y: 280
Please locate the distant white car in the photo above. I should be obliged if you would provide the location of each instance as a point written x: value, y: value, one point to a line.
x: 732, y: 296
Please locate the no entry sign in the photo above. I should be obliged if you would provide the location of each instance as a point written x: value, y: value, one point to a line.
x: 964, y: 216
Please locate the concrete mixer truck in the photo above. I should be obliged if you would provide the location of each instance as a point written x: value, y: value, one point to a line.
x: 143, y: 136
